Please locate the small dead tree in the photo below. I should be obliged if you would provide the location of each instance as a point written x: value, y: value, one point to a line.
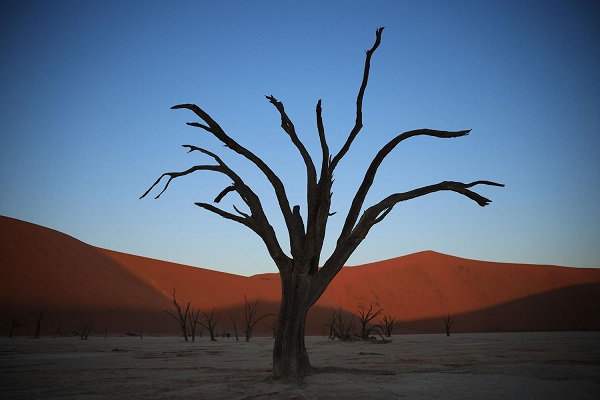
x: 448, y: 322
x: 87, y: 328
x: 237, y: 338
x: 273, y: 325
x: 38, y: 321
x: 388, y: 323
x: 341, y: 325
x: 365, y: 319
x: 193, y: 319
x: 211, y: 323
x: 14, y: 324
x: 250, y: 318
x: 181, y: 316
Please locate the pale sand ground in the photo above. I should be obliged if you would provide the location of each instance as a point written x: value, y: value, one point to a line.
x: 462, y: 366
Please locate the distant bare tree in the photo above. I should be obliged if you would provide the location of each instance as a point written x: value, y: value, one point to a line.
x: 250, y: 318
x: 365, y: 319
x: 388, y: 324
x: 87, y: 328
x: 181, y: 316
x: 14, y: 324
x: 448, y: 322
x: 273, y: 325
x: 304, y: 275
x: 341, y: 325
x: 38, y: 321
x: 193, y: 320
x: 237, y: 338
x: 210, y: 324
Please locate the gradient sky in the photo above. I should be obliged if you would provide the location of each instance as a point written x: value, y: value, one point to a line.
x: 86, y: 125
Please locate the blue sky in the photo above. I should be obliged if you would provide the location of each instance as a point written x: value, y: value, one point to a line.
x: 86, y: 125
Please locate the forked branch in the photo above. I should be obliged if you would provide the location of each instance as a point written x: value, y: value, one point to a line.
x: 369, y: 177
x: 288, y: 127
x: 213, y: 127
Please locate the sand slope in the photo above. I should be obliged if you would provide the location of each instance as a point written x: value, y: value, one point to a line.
x: 74, y: 283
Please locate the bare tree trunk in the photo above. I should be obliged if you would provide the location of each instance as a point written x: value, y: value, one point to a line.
x: 87, y: 328
x: 250, y: 318
x: 211, y: 323
x: 38, y: 321
x: 181, y: 317
x: 448, y: 321
x: 290, y: 359
x: 15, y: 323
x: 237, y: 338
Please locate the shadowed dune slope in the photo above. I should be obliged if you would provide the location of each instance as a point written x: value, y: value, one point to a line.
x: 430, y: 284
x: 73, y: 283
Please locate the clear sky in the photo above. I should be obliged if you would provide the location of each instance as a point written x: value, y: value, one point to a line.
x: 86, y: 125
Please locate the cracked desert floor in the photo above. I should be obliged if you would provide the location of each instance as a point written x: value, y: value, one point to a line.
x: 547, y: 365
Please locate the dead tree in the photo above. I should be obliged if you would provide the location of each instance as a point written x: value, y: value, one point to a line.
x: 38, y: 321
x: 250, y: 318
x: 193, y: 320
x: 302, y: 281
x: 365, y: 319
x: 388, y: 324
x: 273, y: 325
x: 237, y: 338
x: 210, y: 324
x: 87, y: 328
x: 15, y: 323
x: 181, y: 317
x: 448, y: 322
x: 341, y: 325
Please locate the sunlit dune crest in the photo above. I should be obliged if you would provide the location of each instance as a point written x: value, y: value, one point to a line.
x: 74, y: 283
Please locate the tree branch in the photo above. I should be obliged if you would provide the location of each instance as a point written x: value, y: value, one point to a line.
x: 224, y: 193
x: 258, y: 221
x: 276, y: 183
x: 173, y: 175
x: 322, y: 139
x: 359, y: 100
x: 376, y: 213
x: 242, y: 220
x: 289, y: 128
x: 369, y: 177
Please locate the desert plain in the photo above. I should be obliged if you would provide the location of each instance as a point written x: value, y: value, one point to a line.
x: 534, y: 365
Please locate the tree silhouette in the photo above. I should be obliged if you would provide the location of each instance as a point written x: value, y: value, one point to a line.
x: 181, y: 317
x: 388, y: 324
x: 341, y: 325
x: 193, y: 316
x: 38, y: 321
x: 250, y: 318
x: 302, y: 281
x: 365, y: 317
x: 448, y: 322
x: 211, y: 323
x: 15, y: 323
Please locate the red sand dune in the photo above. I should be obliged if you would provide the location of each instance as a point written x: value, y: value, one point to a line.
x: 74, y: 283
